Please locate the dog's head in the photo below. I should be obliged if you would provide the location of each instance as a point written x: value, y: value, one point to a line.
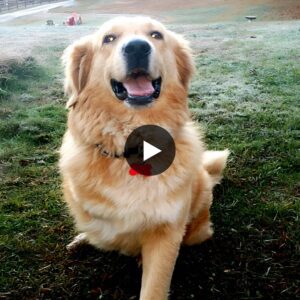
x: 132, y: 61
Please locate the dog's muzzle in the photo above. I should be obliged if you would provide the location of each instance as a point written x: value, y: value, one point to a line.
x: 138, y: 88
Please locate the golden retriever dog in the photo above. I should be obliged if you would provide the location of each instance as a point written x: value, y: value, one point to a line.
x: 135, y: 72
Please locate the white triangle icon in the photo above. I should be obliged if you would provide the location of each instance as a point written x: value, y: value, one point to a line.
x: 149, y: 151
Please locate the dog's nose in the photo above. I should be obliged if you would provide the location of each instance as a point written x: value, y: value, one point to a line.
x: 137, y: 48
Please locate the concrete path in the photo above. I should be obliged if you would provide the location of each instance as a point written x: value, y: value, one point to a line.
x: 33, y: 10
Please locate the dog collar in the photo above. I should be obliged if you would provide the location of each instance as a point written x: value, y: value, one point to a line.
x: 106, y: 153
x: 133, y: 170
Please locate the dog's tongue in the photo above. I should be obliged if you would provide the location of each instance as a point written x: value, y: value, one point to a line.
x: 140, y: 86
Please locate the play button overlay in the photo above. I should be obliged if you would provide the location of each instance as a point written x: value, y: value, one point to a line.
x: 149, y: 150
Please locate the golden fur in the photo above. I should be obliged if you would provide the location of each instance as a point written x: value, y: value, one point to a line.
x: 135, y: 214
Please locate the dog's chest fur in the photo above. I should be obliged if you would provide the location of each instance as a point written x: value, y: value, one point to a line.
x: 132, y: 211
x: 126, y: 204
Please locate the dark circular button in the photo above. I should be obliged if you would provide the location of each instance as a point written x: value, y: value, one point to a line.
x: 149, y: 150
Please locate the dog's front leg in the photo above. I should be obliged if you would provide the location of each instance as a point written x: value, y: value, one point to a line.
x: 159, y: 253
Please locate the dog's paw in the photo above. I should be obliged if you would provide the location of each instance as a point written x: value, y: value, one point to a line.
x: 77, y: 241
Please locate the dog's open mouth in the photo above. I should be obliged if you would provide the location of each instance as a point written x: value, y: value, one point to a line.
x: 138, y: 89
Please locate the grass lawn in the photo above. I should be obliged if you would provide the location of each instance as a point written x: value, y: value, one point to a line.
x: 245, y: 95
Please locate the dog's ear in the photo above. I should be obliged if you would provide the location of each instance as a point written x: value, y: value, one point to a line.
x: 77, y: 59
x: 184, y: 60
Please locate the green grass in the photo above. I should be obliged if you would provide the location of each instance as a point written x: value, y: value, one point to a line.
x: 246, y: 95
x: 17, y: 75
x: 250, y: 104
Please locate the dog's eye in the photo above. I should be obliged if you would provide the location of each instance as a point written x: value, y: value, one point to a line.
x: 156, y: 35
x: 109, y: 38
